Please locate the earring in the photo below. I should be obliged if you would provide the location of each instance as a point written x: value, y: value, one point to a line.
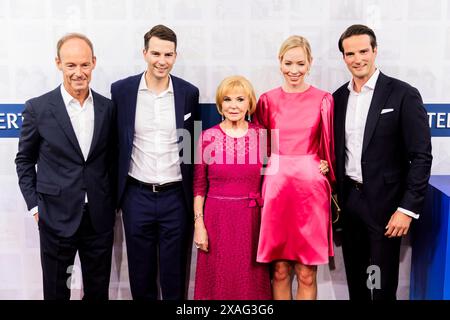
x: 222, y: 117
x: 249, y: 118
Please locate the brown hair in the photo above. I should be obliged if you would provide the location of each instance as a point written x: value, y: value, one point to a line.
x: 235, y: 82
x: 162, y: 32
x: 356, y: 30
x: 70, y: 36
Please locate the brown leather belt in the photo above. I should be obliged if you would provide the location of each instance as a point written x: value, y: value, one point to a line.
x: 153, y: 186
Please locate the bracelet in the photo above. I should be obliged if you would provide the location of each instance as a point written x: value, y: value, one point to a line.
x: 197, y: 215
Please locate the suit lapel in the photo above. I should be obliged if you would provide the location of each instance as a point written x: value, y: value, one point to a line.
x: 179, y: 98
x: 131, y: 101
x: 99, y: 117
x: 341, y: 113
x: 59, y: 111
x: 380, y: 95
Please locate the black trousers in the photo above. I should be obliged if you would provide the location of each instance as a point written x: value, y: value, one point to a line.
x: 367, y: 251
x: 58, y: 256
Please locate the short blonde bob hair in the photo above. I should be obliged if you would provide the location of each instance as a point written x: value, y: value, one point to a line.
x: 295, y: 42
x: 233, y: 83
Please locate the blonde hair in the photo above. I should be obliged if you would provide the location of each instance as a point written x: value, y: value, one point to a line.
x: 235, y: 83
x: 70, y: 36
x: 295, y: 42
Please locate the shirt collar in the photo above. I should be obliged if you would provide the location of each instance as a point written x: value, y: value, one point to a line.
x: 369, y: 85
x: 143, y: 85
x: 67, y: 98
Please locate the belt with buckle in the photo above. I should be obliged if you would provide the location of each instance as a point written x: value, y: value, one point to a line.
x: 154, y: 187
x: 354, y: 184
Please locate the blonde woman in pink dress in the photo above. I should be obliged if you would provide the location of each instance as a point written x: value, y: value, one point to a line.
x: 227, y: 201
x: 296, y: 228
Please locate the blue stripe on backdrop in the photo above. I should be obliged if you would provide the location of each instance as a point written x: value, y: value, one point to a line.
x: 208, y: 115
x: 439, y: 119
x: 11, y: 118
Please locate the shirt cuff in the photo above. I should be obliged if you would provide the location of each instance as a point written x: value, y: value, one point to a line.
x: 409, y: 213
x: 33, y: 211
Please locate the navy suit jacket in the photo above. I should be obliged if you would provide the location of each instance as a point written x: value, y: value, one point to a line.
x: 396, y: 154
x: 124, y: 94
x: 62, y: 177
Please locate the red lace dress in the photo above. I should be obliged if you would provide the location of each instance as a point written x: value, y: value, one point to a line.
x: 229, y: 176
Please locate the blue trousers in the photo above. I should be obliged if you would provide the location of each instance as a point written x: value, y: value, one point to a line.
x: 155, y: 231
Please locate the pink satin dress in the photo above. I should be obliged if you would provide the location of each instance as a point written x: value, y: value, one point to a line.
x: 296, y: 217
x: 228, y: 173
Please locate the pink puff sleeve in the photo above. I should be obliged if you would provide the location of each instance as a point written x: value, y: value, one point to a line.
x: 200, y: 169
x: 261, y: 117
x: 326, y: 148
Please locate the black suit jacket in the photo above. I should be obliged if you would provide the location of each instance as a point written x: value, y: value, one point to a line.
x: 124, y: 94
x: 59, y: 182
x: 396, y: 154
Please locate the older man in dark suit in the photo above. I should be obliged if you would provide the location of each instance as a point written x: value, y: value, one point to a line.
x: 383, y: 161
x: 66, y: 174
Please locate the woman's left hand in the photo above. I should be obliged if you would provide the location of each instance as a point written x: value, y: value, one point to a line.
x: 323, y: 167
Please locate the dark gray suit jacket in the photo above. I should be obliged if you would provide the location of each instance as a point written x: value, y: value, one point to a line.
x: 396, y: 154
x: 57, y: 185
x: 124, y: 95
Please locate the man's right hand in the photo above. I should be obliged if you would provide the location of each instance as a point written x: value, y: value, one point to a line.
x: 36, y: 217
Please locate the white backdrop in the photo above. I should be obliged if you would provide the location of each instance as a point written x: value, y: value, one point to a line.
x: 216, y: 38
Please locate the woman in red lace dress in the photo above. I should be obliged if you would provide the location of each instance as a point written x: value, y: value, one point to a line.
x: 227, y: 182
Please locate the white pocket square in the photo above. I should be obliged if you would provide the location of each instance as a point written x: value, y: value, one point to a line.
x: 386, y: 111
x: 187, y: 116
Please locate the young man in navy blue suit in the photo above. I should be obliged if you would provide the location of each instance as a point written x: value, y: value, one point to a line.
x: 68, y: 134
x: 155, y: 128
x: 383, y: 162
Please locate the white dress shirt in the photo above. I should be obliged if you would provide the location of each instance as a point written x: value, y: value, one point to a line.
x: 155, y: 155
x: 82, y: 120
x: 355, y: 122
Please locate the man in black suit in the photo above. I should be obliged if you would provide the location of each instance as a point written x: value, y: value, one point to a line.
x: 69, y: 134
x: 155, y: 128
x: 383, y: 162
